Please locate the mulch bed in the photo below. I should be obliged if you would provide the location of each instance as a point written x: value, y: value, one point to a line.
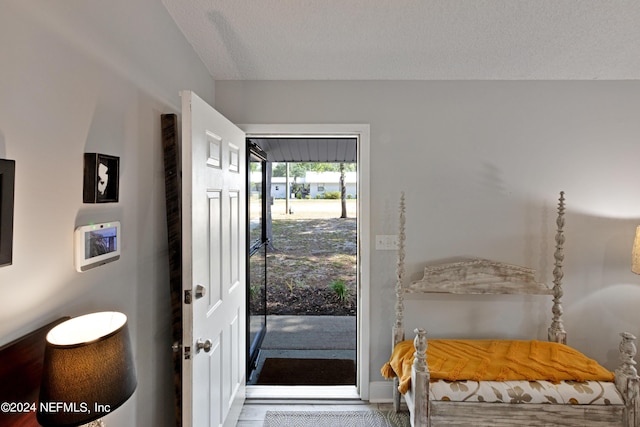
x: 308, y: 301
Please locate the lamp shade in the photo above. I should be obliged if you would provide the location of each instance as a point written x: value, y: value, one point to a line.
x: 88, y: 369
x: 635, y: 253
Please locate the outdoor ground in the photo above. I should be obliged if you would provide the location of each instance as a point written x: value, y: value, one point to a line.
x: 315, y: 252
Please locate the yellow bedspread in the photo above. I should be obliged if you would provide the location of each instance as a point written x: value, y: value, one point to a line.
x: 495, y: 360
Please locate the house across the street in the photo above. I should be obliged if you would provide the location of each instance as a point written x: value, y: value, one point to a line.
x: 313, y: 184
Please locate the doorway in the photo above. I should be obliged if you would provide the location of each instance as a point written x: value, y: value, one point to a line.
x: 358, y: 133
x: 309, y: 288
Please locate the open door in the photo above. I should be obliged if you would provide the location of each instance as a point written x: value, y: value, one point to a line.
x: 213, y: 266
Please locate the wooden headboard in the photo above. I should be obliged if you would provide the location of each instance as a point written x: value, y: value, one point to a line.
x: 477, y: 276
x: 481, y: 276
x: 20, y: 372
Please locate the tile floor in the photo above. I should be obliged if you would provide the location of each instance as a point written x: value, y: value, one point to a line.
x: 254, y: 410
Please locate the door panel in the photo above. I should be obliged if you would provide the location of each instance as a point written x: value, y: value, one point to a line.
x: 234, y: 228
x: 257, y: 254
x: 213, y: 268
x: 257, y: 299
x: 215, y: 247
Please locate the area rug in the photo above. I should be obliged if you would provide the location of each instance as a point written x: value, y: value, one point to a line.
x: 336, y: 419
x: 284, y: 371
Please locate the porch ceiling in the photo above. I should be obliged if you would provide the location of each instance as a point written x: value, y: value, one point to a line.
x: 332, y: 150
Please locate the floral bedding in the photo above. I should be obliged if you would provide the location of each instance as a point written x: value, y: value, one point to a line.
x: 564, y: 392
x: 506, y: 371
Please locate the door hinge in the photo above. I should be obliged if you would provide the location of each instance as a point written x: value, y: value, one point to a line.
x: 187, y: 297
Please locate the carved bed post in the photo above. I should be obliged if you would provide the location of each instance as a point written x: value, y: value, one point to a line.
x: 556, y: 331
x: 627, y: 380
x: 398, y: 327
x: 420, y: 380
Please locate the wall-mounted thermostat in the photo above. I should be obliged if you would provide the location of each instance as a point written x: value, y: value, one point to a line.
x: 96, y: 245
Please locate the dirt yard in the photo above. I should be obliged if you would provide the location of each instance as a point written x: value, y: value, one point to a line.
x: 315, y: 251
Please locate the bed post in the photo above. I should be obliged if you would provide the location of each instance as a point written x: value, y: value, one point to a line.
x: 627, y: 380
x: 398, y: 327
x: 420, y: 381
x: 556, y: 331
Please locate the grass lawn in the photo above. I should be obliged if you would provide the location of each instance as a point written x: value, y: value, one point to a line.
x: 313, y: 268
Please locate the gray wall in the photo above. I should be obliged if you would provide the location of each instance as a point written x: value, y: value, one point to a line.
x: 482, y: 164
x: 78, y: 77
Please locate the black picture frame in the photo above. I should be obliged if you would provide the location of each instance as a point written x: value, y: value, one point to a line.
x: 7, y: 191
x: 101, y: 178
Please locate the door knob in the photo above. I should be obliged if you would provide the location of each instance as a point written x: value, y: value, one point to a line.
x: 200, y: 291
x: 203, y: 345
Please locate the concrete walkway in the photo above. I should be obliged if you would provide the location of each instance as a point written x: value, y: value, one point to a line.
x: 310, y: 333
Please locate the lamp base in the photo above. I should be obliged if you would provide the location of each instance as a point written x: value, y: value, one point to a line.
x: 96, y: 423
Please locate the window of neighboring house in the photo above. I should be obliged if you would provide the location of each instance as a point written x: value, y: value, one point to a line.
x: 320, y: 188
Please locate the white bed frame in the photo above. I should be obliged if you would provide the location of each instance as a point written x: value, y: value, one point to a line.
x: 479, y: 276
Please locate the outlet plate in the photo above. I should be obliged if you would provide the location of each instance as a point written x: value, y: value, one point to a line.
x: 386, y: 242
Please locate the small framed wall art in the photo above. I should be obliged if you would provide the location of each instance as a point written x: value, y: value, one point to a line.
x: 7, y: 188
x: 101, y: 178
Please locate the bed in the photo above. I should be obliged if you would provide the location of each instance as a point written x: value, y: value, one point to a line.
x: 20, y: 373
x: 510, y: 382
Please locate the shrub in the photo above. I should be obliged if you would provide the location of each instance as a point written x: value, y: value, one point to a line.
x: 331, y: 195
x: 253, y: 291
x: 341, y: 290
x: 292, y: 285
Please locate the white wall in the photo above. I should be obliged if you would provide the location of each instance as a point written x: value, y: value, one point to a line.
x: 76, y: 77
x: 482, y: 164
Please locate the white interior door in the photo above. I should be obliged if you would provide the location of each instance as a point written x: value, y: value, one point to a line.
x: 214, y: 246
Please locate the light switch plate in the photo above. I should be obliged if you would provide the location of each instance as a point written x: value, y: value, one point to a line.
x: 386, y: 242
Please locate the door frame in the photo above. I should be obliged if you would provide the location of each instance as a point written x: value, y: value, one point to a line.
x: 361, y: 131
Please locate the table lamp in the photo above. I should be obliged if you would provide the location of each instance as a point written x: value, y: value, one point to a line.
x: 88, y: 370
x: 635, y: 253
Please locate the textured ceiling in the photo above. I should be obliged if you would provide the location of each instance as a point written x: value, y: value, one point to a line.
x: 413, y: 39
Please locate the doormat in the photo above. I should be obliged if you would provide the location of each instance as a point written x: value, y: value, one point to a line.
x: 332, y: 419
x: 284, y: 371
